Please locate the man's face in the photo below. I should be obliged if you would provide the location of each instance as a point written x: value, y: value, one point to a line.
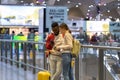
x: 56, y: 30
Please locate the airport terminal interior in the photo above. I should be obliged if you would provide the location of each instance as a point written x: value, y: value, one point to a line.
x: 26, y: 24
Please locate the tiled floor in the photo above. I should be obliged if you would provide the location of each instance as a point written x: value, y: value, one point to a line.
x: 8, y: 72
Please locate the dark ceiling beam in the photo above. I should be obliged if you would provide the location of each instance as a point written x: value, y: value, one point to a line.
x: 50, y: 2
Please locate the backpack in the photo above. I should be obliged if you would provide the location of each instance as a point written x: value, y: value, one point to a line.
x: 76, y: 48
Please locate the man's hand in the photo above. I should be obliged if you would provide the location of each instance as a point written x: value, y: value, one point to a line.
x: 47, y: 52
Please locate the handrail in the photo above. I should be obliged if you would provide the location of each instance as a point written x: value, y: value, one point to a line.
x: 41, y: 69
x: 101, y: 47
x: 35, y: 42
x: 101, y: 55
x: 16, y: 48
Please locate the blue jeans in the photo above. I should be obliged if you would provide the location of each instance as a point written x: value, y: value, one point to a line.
x: 67, y: 69
x: 71, y: 73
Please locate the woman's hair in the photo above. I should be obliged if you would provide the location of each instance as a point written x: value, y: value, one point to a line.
x: 64, y: 26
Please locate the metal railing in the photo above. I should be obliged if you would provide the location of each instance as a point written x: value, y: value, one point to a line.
x: 11, y: 51
x: 18, y: 53
x: 92, y: 63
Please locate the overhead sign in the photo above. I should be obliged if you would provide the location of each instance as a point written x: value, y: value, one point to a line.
x: 97, y: 27
x: 55, y: 14
x: 115, y: 27
x: 20, y: 15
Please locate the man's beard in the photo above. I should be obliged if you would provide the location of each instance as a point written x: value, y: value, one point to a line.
x: 56, y: 34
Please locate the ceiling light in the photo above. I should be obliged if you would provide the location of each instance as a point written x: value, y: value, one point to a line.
x: 76, y: 6
x: 118, y: 7
x: 88, y: 10
x: 43, y: 2
x: 91, y: 6
x: 37, y: 1
x: 68, y: 1
x: 67, y: 9
x: 110, y: 16
x: 108, y: 11
x: 31, y: 4
x: 117, y: 20
x: 79, y: 4
x: 58, y: 0
x: 105, y: 4
x: 87, y: 13
x: 91, y: 18
x: 21, y: 1
x: 99, y: 4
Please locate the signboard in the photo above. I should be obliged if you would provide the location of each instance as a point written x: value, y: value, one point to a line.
x: 97, y: 26
x: 115, y: 27
x: 55, y: 14
x: 20, y: 15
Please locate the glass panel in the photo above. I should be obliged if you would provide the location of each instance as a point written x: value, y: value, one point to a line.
x: 88, y: 64
x: 112, y: 63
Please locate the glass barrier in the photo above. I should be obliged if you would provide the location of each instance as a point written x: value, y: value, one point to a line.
x: 21, y: 60
x: 98, y: 62
x: 94, y: 62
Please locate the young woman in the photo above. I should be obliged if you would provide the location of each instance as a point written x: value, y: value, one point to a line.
x: 65, y: 49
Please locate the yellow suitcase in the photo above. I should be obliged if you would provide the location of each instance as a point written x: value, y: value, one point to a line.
x: 43, y: 75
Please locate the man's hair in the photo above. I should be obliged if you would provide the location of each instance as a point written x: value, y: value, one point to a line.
x: 54, y: 24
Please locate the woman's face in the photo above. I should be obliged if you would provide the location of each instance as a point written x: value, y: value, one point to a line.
x: 62, y: 31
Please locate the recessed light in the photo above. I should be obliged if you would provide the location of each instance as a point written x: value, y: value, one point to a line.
x: 21, y: 1
x: 67, y: 9
x: 88, y: 10
x: 76, y: 6
x: 79, y: 3
x: 31, y: 4
x: 37, y: 1
x: 91, y: 6
x: 110, y: 16
x: 108, y: 10
x: 58, y: 0
x: 99, y: 4
x: 43, y: 2
x: 68, y: 1
x: 87, y: 13
x: 105, y: 4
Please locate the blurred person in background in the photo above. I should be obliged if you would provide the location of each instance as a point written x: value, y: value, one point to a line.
x: 12, y: 35
x: 30, y: 37
x: 6, y: 36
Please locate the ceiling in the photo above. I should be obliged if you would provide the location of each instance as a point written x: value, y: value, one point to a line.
x: 79, y: 9
x: 89, y: 9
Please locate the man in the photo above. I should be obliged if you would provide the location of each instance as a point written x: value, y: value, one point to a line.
x: 30, y: 37
x: 55, y: 59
